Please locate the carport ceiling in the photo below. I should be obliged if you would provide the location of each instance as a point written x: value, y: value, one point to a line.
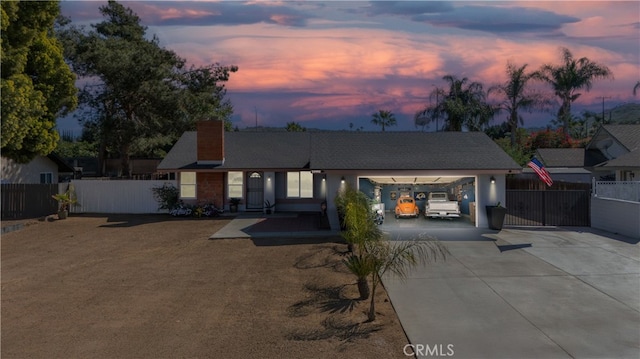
x: 413, y: 180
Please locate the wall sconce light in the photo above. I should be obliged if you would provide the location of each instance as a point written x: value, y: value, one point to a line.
x: 493, y: 179
x: 323, y: 179
x: 342, y: 179
x: 269, y: 178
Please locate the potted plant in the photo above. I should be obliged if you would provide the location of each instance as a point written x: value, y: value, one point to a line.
x: 233, y: 204
x: 268, y: 207
x: 65, y: 200
x: 495, y: 216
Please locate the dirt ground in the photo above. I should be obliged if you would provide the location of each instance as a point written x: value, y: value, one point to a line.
x: 156, y: 287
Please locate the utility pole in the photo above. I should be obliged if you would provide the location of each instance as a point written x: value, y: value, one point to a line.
x: 603, y: 98
x: 437, y: 103
x: 256, y: 110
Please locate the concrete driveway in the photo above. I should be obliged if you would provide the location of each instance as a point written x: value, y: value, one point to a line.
x: 532, y: 293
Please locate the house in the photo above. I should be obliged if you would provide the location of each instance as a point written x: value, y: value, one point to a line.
x: 620, y: 146
x: 612, y: 154
x: 42, y: 169
x: 299, y: 171
x: 573, y: 165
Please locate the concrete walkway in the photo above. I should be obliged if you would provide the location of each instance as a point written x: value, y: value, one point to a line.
x: 533, y: 293
x: 277, y: 225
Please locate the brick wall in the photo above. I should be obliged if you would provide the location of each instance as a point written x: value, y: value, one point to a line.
x: 210, y: 141
x: 211, y: 188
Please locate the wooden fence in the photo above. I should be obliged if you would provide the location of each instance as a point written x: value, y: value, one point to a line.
x: 20, y: 201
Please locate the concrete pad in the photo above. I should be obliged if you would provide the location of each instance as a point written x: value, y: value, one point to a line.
x: 235, y: 228
x: 582, y: 320
x: 586, y: 260
x: 623, y: 287
x: 485, y: 259
x: 540, y: 237
x: 449, y: 268
x: 468, y: 314
x: 540, y: 293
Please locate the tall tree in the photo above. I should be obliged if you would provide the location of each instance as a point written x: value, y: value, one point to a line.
x: 635, y: 88
x: 37, y: 86
x: 384, y: 119
x: 571, y: 76
x: 140, y: 93
x: 463, y: 105
x: 515, y: 96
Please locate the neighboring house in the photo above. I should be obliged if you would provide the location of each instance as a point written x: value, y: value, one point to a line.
x: 572, y: 165
x: 620, y: 145
x: 298, y: 171
x: 612, y: 154
x: 42, y: 169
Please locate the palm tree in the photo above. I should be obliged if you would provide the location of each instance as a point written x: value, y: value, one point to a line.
x: 359, y: 229
x: 398, y: 258
x: 515, y: 96
x: 568, y: 78
x: 384, y: 119
x: 294, y: 127
x: 463, y: 104
x: 635, y: 88
x: 372, y: 254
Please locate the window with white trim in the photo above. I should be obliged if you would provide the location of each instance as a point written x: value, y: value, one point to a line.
x: 187, y: 185
x: 300, y: 184
x: 235, y: 181
x: 46, y: 177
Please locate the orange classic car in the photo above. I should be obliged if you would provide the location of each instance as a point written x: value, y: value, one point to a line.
x: 406, y: 207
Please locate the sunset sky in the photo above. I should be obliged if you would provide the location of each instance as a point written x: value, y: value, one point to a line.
x: 328, y: 64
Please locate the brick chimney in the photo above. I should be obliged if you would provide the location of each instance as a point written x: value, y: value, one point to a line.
x: 210, y: 139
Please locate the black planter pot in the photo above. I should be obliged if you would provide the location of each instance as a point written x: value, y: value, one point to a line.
x: 495, y: 216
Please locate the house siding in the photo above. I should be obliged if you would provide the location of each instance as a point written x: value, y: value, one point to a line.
x: 13, y: 172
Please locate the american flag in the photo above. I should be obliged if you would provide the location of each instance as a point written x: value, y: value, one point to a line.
x: 542, y: 172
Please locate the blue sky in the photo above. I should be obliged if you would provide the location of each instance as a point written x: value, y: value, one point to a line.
x: 331, y: 64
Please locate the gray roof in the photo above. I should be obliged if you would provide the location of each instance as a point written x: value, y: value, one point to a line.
x: 629, y: 160
x: 569, y: 157
x: 348, y: 150
x: 627, y: 135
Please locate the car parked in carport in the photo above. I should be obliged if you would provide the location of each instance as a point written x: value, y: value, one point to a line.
x: 406, y: 207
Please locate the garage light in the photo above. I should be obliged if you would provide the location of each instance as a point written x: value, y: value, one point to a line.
x: 342, y: 179
x: 493, y: 179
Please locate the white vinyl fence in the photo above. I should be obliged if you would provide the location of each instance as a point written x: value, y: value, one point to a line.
x: 115, y: 196
x: 624, y: 190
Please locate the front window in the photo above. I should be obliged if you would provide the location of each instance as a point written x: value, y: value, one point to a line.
x: 300, y: 184
x: 46, y: 177
x: 234, y: 184
x: 187, y: 185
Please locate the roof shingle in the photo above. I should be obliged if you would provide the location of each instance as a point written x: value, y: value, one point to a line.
x: 342, y: 150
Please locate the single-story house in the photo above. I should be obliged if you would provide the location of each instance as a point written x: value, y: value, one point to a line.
x: 574, y: 165
x: 620, y: 145
x: 298, y: 171
x: 613, y: 153
x: 42, y: 169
